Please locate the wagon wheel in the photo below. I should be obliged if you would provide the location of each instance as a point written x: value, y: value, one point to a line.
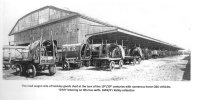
x: 6, y: 67
x: 92, y: 63
x: 13, y: 67
x: 66, y: 65
x: 95, y: 63
x: 52, y: 70
x: 104, y: 64
x: 88, y: 63
x: 124, y: 61
x: 79, y: 64
x: 111, y: 65
x: 31, y: 71
x: 134, y: 61
x: 18, y: 69
x: 121, y: 63
x: 130, y: 61
x: 139, y: 60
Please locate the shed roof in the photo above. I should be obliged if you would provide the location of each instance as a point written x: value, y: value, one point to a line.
x: 72, y: 14
x: 40, y: 17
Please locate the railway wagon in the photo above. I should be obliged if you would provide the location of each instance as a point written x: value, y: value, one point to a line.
x: 146, y: 53
x: 107, y: 55
x: 154, y: 54
x: 12, y: 53
x: 33, y: 58
x: 162, y: 53
x: 75, y: 55
x: 133, y: 55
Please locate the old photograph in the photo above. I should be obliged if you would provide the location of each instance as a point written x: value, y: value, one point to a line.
x: 98, y: 49
x: 54, y: 43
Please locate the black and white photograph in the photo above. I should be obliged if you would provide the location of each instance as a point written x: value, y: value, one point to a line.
x: 96, y: 41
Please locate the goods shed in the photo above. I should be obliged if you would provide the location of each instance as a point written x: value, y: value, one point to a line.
x: 68, y: 27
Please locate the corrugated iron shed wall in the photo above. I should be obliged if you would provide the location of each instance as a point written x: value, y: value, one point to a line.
x: 64, y: 31
x: 90, y: 27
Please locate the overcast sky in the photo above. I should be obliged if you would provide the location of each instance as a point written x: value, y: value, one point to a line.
x: 171, y: 21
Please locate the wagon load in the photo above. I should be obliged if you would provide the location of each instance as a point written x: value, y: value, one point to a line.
x: 162, y: 53
x: 15, y: 53
x: 107, y: 55
x: 146, y: 53
x: 134, y: 54
x: 31, y: 59
x: 75, y: 55
x: 137, y: 52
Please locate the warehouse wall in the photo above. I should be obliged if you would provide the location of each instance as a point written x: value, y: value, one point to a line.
x: 67, y: 31
x: 64, y: 31
x: 89, y: 27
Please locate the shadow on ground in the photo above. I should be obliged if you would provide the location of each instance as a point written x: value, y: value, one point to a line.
x: 187, y: 72
x: 99, y: 69
x: 103, y: 69
x: 42, y: 74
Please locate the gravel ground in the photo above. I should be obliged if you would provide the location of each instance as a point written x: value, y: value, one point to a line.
x: 161, y: 69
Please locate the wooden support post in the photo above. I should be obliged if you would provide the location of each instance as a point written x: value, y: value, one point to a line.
x: 40, y: 44
x: 52, y: 40
x: 122, y: 42
x: 33, y: 39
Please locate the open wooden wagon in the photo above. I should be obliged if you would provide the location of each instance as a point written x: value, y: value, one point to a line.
x: 12, y: 53
x: 31, y: 59
x: 76, y: 55
x: 107, y: 55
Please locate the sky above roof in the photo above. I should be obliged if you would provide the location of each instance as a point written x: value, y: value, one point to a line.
x: 171, y: 21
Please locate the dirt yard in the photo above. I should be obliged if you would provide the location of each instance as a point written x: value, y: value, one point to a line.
x: 175, y: 68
